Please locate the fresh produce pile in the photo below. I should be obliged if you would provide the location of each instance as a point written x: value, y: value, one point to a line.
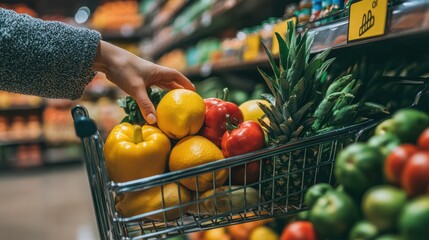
x: 190, y: 131
x: 383, y: 187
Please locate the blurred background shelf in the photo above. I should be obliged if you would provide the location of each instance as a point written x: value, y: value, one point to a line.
x: 399, y: 37
x: 224, y: 14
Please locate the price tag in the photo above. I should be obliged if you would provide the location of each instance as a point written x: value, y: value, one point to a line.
x: 251, y: 50
x: 367, y: 19
x: 281, y: 28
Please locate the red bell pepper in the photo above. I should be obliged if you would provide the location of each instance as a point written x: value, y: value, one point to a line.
x: 244, y: 138
x: 215, y: 121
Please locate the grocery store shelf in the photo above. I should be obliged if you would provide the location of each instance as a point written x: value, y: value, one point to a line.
x: 399, y: 35
x: 204, y: 25
x: 124, y: 34
x: 21, y: 142
x: 39, y: 167
x: 159, y: 22
x: 154, y: 10
x: 23, y: 108
x: 226, y: 66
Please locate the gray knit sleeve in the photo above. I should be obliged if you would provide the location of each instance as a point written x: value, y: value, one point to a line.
x: 49, y: 59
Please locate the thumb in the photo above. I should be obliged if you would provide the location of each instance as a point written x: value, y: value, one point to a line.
x: 146, y: 106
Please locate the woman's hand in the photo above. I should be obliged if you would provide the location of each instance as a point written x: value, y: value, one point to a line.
x: 133, y: 74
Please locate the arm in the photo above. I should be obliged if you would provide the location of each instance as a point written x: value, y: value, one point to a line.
x: 54, y: 60
x: 48, y: 59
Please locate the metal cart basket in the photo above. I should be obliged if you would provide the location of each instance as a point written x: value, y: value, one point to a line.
x: 310, y: 161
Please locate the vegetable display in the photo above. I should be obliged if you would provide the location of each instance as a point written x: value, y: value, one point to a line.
x: 390, y: 185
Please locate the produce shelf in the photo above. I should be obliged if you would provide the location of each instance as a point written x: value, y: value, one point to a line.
x: 123, y: 35
x: 22, y: 142
x: 21, y: 108
x: 158, y: 23
x: 408, y: 25
x: 310, y: 161
x: 210, y: 21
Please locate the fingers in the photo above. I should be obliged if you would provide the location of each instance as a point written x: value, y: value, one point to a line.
x: 145, y: 105
x: 179, y: 78
x: 170, y: 85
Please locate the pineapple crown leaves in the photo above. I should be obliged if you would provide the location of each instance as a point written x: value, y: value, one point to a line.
x: 294, y: 85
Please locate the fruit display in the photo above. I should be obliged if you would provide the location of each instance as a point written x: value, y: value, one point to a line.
x: 12, y: 100
x: 214, y: 86
x: 55, y: 117
x: 380, y: 191
x: 114, y: 15
x: 20, y: 8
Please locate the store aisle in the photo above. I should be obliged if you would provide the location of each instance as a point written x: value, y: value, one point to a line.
x: 47, y: 205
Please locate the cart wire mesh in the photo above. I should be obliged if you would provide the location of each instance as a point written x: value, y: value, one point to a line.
x: 280, y: 192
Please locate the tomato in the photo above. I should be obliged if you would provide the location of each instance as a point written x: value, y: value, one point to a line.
x: 396, y: 161
x: 300, y: 230
x: 423, y: 141
x: 415, y: 176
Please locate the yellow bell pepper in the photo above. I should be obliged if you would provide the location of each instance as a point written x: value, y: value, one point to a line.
x: 132, y: 152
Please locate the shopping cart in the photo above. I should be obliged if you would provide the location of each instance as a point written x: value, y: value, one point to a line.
x: 315, y: 155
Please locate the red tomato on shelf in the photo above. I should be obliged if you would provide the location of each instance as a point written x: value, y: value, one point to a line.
x: 415, y: 175
x: 300, y: 230
x: 423, y: 141
x: 396, y: 161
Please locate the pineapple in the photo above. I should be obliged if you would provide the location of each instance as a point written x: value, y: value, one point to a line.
x: 296, y: 94
x: 303, y: 103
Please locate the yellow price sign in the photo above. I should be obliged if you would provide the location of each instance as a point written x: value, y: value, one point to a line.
x: 281, y: 28
x: 367, y: 19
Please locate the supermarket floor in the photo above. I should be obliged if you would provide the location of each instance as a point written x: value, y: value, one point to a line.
x: 47, y: 204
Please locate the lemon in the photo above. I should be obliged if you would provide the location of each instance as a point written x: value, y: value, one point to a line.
x: 193, y: 151
x: 251, y: 110
x: 180, y: 113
